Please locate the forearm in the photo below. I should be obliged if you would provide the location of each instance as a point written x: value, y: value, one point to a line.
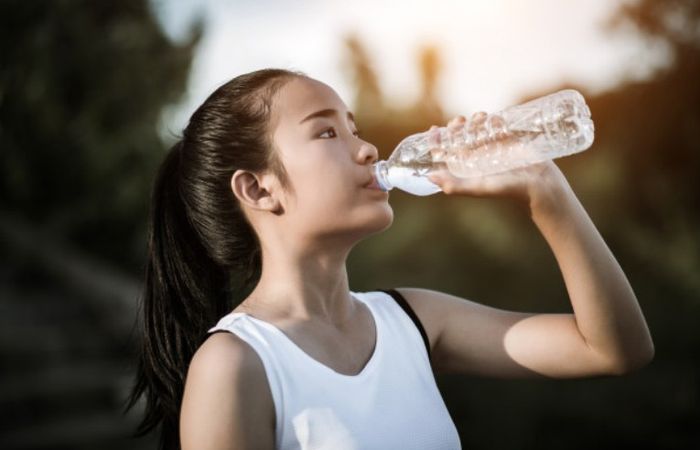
x: 607, y: 313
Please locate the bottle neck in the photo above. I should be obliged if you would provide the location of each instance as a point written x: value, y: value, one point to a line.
x: 381, y: 174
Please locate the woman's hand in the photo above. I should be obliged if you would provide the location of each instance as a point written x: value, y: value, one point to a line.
x: 537, y: 186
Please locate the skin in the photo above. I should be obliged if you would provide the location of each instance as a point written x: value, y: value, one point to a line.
x: 307, y: 233
x: 305, y: 243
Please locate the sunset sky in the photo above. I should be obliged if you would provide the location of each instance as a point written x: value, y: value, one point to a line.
x: 494, y: 51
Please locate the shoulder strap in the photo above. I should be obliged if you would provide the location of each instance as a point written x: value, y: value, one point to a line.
x: 407, y: 308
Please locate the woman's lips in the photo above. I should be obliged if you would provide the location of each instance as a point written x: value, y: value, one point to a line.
x: 373, y: 185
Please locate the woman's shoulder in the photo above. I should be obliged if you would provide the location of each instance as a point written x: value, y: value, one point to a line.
x: 226, y: 365
x: 220, y: 343
x: 226, y: 354
x: 226, y: 381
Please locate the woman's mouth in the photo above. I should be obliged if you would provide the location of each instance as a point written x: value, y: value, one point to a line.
x: 373, y: 185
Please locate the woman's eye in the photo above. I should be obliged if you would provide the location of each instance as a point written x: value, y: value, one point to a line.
x: 330, y: 133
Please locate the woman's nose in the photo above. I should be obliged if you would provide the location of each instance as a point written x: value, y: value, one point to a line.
x: 367, y: 154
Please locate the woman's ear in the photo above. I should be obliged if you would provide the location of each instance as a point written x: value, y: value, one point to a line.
x: 255, y: 190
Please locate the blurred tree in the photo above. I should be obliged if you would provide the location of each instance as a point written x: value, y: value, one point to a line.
x: 82, y: 86
x: 369, y: 100
x: 430, y: 65
x: 654, y: 125
x: 677, y: 21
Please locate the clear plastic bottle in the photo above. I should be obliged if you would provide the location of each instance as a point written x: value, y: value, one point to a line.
x: 548, y: 127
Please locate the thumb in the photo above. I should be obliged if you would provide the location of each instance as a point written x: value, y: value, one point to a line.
x: 438, y: 176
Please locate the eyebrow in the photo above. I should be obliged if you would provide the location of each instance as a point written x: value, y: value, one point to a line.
x: 325, y: 113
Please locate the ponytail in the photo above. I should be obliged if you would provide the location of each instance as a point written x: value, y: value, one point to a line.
x: 201, y: 247
x: 184, y: 291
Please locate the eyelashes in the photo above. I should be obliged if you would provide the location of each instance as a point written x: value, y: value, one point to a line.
x: 332, y: 133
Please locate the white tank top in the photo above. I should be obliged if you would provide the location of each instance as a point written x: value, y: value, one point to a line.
x: 393, y: 403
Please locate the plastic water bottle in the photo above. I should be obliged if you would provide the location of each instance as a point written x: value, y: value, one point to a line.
x: 549, y: 127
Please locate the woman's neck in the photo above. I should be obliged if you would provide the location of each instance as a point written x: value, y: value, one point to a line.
x: 311, y: 287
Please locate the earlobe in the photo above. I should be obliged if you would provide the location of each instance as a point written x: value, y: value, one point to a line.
x: 250, y: 191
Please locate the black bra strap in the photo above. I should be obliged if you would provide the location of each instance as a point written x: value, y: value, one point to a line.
x: 406, y: 307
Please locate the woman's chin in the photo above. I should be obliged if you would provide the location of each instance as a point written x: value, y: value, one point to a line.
x: 381, y: 221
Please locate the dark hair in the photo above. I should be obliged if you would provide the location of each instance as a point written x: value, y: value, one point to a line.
x: 201, y: 247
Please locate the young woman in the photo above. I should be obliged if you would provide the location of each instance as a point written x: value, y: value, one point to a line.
x: 271, y: 185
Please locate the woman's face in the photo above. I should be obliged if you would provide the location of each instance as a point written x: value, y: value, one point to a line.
x: 328, y: 164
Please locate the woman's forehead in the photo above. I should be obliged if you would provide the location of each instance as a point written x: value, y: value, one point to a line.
x: 303, y: 96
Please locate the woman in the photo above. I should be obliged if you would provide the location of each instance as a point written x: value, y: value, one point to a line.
x: 268, y: 191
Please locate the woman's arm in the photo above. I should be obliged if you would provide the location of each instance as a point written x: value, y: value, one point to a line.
x: 607, y: 313
x: 607, y: 333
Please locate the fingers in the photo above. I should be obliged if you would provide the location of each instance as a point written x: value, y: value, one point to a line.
x: 479, y: 117
x: 476, y: 124
x: 450, y: 184
x: 456, y: 125
x: 459, y: 121
x: 456, y: 122
x: 434, y: 136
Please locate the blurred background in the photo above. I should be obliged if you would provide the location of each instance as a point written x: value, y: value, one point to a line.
x: 92, y: 94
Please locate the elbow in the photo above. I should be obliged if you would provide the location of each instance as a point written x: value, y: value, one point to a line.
x: 632, y: 364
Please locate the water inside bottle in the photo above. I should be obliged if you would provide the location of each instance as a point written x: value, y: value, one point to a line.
x: 411, y: 180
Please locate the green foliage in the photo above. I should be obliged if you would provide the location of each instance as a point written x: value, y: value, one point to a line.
x: 82, y: 86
